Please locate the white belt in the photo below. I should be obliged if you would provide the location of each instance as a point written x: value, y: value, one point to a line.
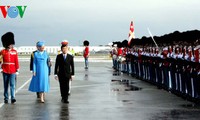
x: 8, y: 63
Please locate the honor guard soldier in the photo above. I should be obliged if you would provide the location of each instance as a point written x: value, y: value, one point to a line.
x: 140, y: 63
x: 177, y: 69
x: 195, y: 71
x: 184, y: 72
x: 198, y: 76
x: 10, y: 66
x: 86, y: 53
x: 114, y: 56
x: 165, y: 67
x: 124, y: 60
x: 133, y: 61
x: 158, y: 67
x: 180, y: 69
x: 119, y: 56
x: 189, y: 71
x: 137, y: 63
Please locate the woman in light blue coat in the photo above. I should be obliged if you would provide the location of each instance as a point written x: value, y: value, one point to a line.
x: 41, y: 72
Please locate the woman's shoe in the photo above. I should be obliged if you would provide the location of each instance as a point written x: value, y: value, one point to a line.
x: 42, y: 101
x: 42, y: 97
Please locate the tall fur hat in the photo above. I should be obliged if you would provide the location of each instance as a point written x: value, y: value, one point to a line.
x: 86, y: 43
x: 7, y: 39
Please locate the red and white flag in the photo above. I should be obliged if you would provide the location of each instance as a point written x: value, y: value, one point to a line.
x: 131, y: 33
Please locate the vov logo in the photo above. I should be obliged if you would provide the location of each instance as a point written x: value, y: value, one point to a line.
x: 13, y: 11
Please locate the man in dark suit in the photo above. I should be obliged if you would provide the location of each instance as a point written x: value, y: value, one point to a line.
x: 64, y: 71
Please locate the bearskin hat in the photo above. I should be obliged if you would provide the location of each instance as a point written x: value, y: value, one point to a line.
x: 125, y: 43
x: 86, y: 43
x: 7, y: 39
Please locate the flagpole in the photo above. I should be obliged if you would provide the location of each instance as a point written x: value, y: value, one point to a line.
x: 152, y: 37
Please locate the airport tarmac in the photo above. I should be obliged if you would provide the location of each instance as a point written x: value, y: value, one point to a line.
x: 98, y: 93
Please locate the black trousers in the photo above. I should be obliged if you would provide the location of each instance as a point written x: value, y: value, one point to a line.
x: 64, y: 87
x: 173, y: 77
x: 188, y: 82
x: 166, y: 76
x: 198, y: 86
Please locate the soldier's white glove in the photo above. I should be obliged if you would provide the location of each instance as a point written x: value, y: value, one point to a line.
x: 17, y: 73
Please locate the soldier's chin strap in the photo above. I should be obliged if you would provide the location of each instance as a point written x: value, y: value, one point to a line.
x: 152, y: 38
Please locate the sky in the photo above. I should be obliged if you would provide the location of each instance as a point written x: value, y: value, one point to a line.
x: 98, y: 21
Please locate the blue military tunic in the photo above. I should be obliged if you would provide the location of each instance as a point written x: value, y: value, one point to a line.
x: 40, y: 82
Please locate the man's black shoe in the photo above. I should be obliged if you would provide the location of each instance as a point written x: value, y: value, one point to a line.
x: 64, y: 101
x: 13, y: 101
x: 6, y: 101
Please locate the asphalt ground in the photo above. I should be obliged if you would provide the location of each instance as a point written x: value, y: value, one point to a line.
x: 98, y: 93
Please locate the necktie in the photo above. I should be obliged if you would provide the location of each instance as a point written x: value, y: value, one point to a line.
x: 64, y: 57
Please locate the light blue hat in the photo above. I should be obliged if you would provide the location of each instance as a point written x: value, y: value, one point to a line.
x: 40, y: 44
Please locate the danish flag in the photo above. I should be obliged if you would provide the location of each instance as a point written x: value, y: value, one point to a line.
x: 131, y: 33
